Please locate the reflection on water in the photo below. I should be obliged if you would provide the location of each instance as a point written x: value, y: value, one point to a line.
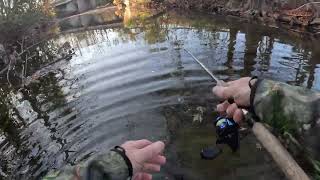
x: 132, y: 83
x: 92, y: 18
x: 65, y: 8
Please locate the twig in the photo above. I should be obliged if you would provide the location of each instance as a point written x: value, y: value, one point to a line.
x: 26, y: 65
x: 305, y: 5
x: 28, y: 58
x: 35, y: 44
x: 4, y: 69
x: 22, y: 76
x: 22, y: 44
x: 9, y: 74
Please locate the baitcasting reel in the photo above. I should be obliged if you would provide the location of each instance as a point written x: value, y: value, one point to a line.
x: 227, y: 131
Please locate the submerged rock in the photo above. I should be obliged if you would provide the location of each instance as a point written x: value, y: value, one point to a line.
x: 26, y: 111
x: 23, y: 107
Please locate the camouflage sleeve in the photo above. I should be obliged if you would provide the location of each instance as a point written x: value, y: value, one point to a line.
x: 110, y: 166
x: 293, y: 112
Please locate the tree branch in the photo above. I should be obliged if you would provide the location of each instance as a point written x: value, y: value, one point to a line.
x: 306, y: 5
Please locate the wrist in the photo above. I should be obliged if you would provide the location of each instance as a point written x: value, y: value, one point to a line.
x: 121, y: 151
x: 253, y: 81
x: 253, y: 84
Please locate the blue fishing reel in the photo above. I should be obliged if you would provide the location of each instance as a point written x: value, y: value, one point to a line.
x: 227, y: 131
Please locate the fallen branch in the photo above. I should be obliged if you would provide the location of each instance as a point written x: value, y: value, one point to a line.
x: 280, y: 155
x: 8, y: 75
x: 306, y: 5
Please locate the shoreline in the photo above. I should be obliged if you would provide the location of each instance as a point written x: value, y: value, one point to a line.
x: 303, y: 20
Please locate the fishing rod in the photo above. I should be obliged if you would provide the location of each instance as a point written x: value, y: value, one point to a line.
x: 219, y: 82
x: 228, y: 133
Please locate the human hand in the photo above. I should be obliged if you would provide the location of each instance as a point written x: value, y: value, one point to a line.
x: 238, y: 90
x: 145, y: 157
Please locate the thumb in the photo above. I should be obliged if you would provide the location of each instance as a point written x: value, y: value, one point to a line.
x: 223, y: 92
x: 151, y: 151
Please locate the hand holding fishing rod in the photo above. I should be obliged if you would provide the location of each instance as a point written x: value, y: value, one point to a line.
x: 237, y: 95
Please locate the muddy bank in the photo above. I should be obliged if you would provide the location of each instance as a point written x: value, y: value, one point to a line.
x: 300, y: 16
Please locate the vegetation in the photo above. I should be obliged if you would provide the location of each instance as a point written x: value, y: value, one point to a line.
x: 25, y: 25
x: 19, y: 18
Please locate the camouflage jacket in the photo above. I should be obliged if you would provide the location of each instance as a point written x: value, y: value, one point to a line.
x: 294, y: 114
x: 109, y: 166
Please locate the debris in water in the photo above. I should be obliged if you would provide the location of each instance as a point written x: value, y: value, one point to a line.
x: 258, y: 146
x: 198, y: 116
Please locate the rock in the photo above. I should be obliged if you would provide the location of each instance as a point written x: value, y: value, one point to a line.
x: 26, y: 111
x: 23, y: 107
x: 316, y: 21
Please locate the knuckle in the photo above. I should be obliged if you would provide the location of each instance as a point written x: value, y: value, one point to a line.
x: 128, y: 143
x: 224, y: 94
x: 234, y: 106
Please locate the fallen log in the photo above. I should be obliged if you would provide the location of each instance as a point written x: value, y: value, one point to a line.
x: 279, y: 154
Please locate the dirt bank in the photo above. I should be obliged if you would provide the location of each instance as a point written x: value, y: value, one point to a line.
x: 299, y: 16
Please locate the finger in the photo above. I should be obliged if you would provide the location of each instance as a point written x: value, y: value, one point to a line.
x: 221, y: 108
x: 238, y: 116
x: 161, y: 160
x: 231, y: 110
x: 137, y: 176
x: 141, y: 143
x: 223, y: 92
x: 151, y: 168
x: 142, y: 176
x: 151, y: 151
x: 146, y: 176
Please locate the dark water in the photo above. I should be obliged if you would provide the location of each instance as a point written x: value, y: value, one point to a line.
x: 135, y: 81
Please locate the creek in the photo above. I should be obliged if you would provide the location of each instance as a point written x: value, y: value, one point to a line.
x: 133, y: 80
